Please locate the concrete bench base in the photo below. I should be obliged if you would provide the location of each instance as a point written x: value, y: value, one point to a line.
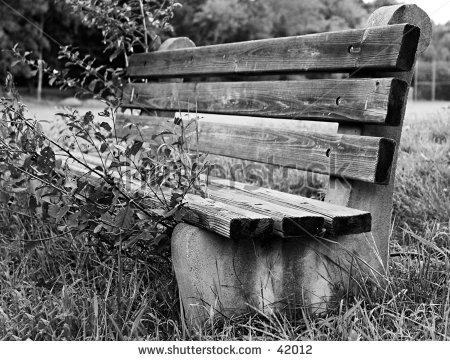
x: 222, y: 277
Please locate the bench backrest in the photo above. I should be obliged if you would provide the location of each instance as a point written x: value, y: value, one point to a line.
x: 368, y: 105
x: 377, y: 100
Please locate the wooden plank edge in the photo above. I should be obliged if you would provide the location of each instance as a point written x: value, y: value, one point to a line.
x: 408, y: 48
x: 403, y: 61
x: 356, y: 224
x: 359, y: 222
x: 288, y: 221
x: 243, y: 224
x: 385, y: 159
x: 298, y: 226
x: 398, y: 96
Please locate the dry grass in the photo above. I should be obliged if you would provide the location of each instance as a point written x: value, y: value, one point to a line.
x: 65, y: 289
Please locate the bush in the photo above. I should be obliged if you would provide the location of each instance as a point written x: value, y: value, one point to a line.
x: 120, y: 193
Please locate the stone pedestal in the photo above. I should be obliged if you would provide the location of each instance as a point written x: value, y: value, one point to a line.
x: 223, y: 277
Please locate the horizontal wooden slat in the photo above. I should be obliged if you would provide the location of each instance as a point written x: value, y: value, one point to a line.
x: 388, y: 48
x: 224, y: 219
x: 288, y: 221
x: 236, y: 210
x: 348, y: 156
x: 378, y: 101
x: 338, y: 220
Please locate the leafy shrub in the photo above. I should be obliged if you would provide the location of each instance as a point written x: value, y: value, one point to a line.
x: 90, y: 180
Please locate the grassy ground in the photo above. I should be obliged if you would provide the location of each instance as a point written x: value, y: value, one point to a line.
x: 62, y: 288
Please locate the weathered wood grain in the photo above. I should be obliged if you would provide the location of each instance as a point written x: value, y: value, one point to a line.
x: 238, y: 210
x: 225, y: 213
x: 225, y: 219
x: 338, y: 220
x: 337, y: 100
x: 288, y: 221
x: 347, y: 156
x: 234, y: 209
x: 387, y: 47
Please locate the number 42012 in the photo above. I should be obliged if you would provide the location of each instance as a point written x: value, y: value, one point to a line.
x: 295, y: 349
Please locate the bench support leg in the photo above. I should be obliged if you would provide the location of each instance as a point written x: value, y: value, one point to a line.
x: 223, y: 277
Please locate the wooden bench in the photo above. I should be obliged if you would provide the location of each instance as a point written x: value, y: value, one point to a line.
x: 255, y: 248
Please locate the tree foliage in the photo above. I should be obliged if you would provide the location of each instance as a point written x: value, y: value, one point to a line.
x: 21, y: 23
x: 126, y: 25
x: 304, y: 17
x: 93, y: 25
x: 439, y: 48
x: 218, y: 21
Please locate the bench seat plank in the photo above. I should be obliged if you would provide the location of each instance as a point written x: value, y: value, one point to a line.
x: 387, y: 47
x: 373, y: 101
x: 235, y: 211
x: 349, y: 156
x: 288, y: 221
x: 227, y: 215
x: 339, y: 220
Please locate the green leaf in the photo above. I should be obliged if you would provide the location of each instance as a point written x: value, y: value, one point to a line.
x: 99, y: 136
x: 119, y: 164
x: 135, y: 148
x: 127, y: 124
x: 170, y: 213
x: 88, y: 118
x: 46, y: 160
x: 61, y: 213
x: 53, y: 210
x: 72, y: 125
x: 164, y: 132
x: 124, y: 218
x: 32, y: 204
x: 98, y: 228
x: 106, y: 126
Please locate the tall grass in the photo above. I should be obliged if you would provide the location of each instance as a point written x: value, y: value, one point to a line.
x: 55, y: 287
